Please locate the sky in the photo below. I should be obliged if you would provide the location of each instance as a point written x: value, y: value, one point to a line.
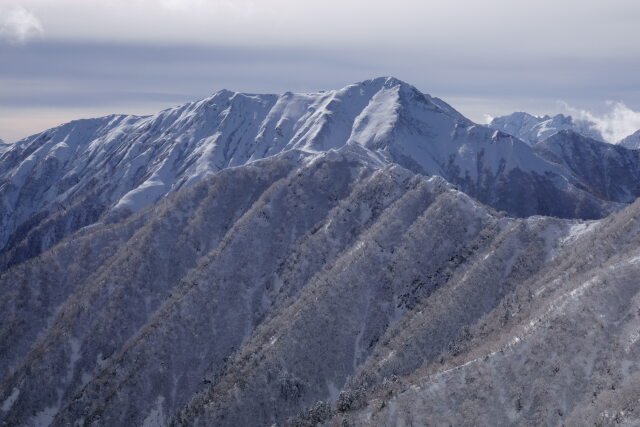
x: 67, y: 59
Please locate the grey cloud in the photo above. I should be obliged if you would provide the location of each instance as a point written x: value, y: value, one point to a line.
x: 122, y: 77
x: 17, y: 25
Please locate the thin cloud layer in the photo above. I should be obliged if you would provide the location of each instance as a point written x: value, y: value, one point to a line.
x: 616, y: 123
x: 18, y: 25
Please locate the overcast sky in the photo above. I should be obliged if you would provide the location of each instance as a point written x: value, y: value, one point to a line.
x: 66, y: 59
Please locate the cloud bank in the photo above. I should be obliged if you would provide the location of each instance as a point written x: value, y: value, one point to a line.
x: 17, y: 25
x: 616, y: 123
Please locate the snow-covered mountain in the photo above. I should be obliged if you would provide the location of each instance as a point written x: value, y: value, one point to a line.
x: 335, y: 258
x: 3, y: 146
x: 312, y: 291
x: 533, y: 129
x: 562, y: 349
x: 632, y: 141
x: 68, y: 177
x: 610, y: 172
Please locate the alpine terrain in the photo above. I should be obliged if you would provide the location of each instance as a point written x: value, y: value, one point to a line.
x: 361, y: 256
x: 632, y: 141
x: 533, y: 129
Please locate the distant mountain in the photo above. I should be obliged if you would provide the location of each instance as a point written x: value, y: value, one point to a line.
x: 103, y: 169
x: 609, y: 171
x: 533, y: 129
x: 632, y: 141
x: 3, y: 146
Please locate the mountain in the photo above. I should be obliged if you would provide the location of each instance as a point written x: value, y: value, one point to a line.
x: 3, y: 146
x: 632, y: 141
x: 301, y: 290
x: 563, y: 349
x: 364, y: 256
x: 104, y: 169
x: 610, y: 171
x: 533, y: 129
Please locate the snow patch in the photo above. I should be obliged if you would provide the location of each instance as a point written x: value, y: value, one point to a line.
x: 575, y: 231
x: 45, y: 417
x: 74, y: 357
x: 155, y: 417
x: 9, y: 401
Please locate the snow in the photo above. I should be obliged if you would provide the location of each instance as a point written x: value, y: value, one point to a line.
x: 632, y: 141
x: 317, y: 294
x: 135, y: 160
x: 575, y: 231
x: 377, y: 120
x: 9, y: 401
x: 156, y: 415
x: 634, y: 260
x: 45, y: 417
x: 533, y: 129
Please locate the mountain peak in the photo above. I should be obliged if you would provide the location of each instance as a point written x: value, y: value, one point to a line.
x: 386, y: 81
x: 533, y: 129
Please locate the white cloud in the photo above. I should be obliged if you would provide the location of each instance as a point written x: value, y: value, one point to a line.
x: 487, y: 118
x: 461, y: 26
x: 18, y: 25
x: 614, y: 124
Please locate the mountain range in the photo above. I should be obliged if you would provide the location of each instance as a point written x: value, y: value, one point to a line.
x: 533, y: 129
x: 361, y: 256
x: 65, y: 178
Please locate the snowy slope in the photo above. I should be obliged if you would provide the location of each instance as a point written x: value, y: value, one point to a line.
x: 610, y: 171
x: 632, y: 141
x: 533, y: 129
x: 277, y: 275
x: 298, y: 289
x: 562, y: 349
x: 279, y: 280
x: 103, y: 169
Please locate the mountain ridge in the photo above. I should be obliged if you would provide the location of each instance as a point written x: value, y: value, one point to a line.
x: 534, y: 129
x: 68, y: 177
x: 632, y: 141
